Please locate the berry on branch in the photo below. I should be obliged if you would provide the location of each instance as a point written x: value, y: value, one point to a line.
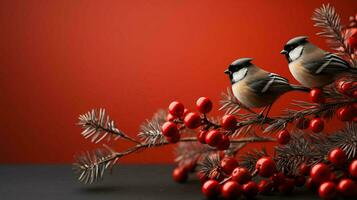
x: 204, y: 105
x: 176, y: 109
x: 192, y: 120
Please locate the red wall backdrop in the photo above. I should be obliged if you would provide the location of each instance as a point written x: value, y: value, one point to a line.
x: 61, y: 58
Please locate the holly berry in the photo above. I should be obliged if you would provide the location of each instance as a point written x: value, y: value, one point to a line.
x: 202, y: 177
x: 241, y: 175
x: 352, y: 169
x: 302, y: 123
x: 287, y: 187
x: 173, y: 139
x: 213, y: 138
x: 327, y: 190
x: 169, y: 129
x: 345, y: 113
x: 265, y: 166
x: 337, y: 156
x: 304, y: 169
x: 300, y: 181
x: 320, y: 173
x: 192, y: 120
x: 347, y: 187
x: 170, y: 117
x: 180, y: 174
x: 176, y: 108
x: 352, y: 41
x: 228, y: 164
x: 265, y: 186
x: 224, y: 143
x: 201, y: 136
x: 278, y: 179
x: 204, y: 105
x: 211, y: 188
x: 228, y: 122
x: 316, y: 125
x: 310, y: 184
x: 283, y: 137
x: 185, y: 112
x: 250, y: 189
x: 317, y: 96
x: 231, y: 190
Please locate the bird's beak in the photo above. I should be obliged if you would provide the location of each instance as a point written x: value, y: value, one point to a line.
x: 283, y: 51
x: 227, y: 71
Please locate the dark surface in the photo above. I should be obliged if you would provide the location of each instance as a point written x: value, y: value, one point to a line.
x: 127, y: 182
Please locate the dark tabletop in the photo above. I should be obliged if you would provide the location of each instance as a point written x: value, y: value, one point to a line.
x: 127, y: 182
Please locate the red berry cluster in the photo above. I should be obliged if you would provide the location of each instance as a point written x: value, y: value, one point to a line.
x: 336, y: 178
x: 239, y: 180
x: 210, y: 133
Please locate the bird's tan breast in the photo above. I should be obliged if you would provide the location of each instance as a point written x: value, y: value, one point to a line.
x: 305, y: 77
x: 248, y: 98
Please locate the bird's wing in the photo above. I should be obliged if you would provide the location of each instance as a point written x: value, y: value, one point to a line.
x: 329, y: 64
x: 272, y: 83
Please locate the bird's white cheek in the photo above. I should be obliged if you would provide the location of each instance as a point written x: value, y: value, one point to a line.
x: 296, y: 53
x: 239, y: 75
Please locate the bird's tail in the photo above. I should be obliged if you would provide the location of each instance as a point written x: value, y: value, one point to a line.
x: 300, y: 88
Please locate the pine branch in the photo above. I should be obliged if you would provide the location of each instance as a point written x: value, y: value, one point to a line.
x: 346, y: 139
x: 300, y: 149
x: 249, y: 159
x: 99, y: 126
x: 329, y: 21
x: 209, y: 166
x: 191, y: 152
x: 90, y: 167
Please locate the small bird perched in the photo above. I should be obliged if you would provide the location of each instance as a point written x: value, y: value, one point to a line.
x: 255, y: 87
x: 312, y: 66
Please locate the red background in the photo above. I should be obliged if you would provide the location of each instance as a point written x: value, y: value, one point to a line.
x: 61, y: 58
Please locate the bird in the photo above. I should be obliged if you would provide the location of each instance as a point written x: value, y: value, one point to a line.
x: 311, y: 66
x: 254, y: 87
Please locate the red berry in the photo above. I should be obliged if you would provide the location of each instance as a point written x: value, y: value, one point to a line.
x: 192, y: 120
x: 337, y: 156
x: 354, y: 94
x: 224, y: 143
x: 317, y: 125
x: 176, y: 108
x: 250, y: 189
x: 278, y: 179
x: 231, y: 190
x: 211, y: 188
x: 302, y: 123
x: 317, y: 96
x: 353, y: 168
x: 265, y: 186
x: 310, y: 184
x: 185, y: 112
x: 283, y: 137
x: 228, y: 122
x: 173, y: 139
x: 300, y: 181
x: 170, y: 117
x: 213, y: 138
x: 180, y: 174
x: 202, y: 177
x: 241, y: 175
x: 328, y: 190
x: 201, y: 136
x: 352, y: 41
x: 265, y: 166
x: 345, y: 113
x: 204, y: 105
x: 320, y: 173
x: 169, y: 129
x: 304, y: 169
x: 287, y: 187
x: 347, y: 187
x: 228, y: 164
